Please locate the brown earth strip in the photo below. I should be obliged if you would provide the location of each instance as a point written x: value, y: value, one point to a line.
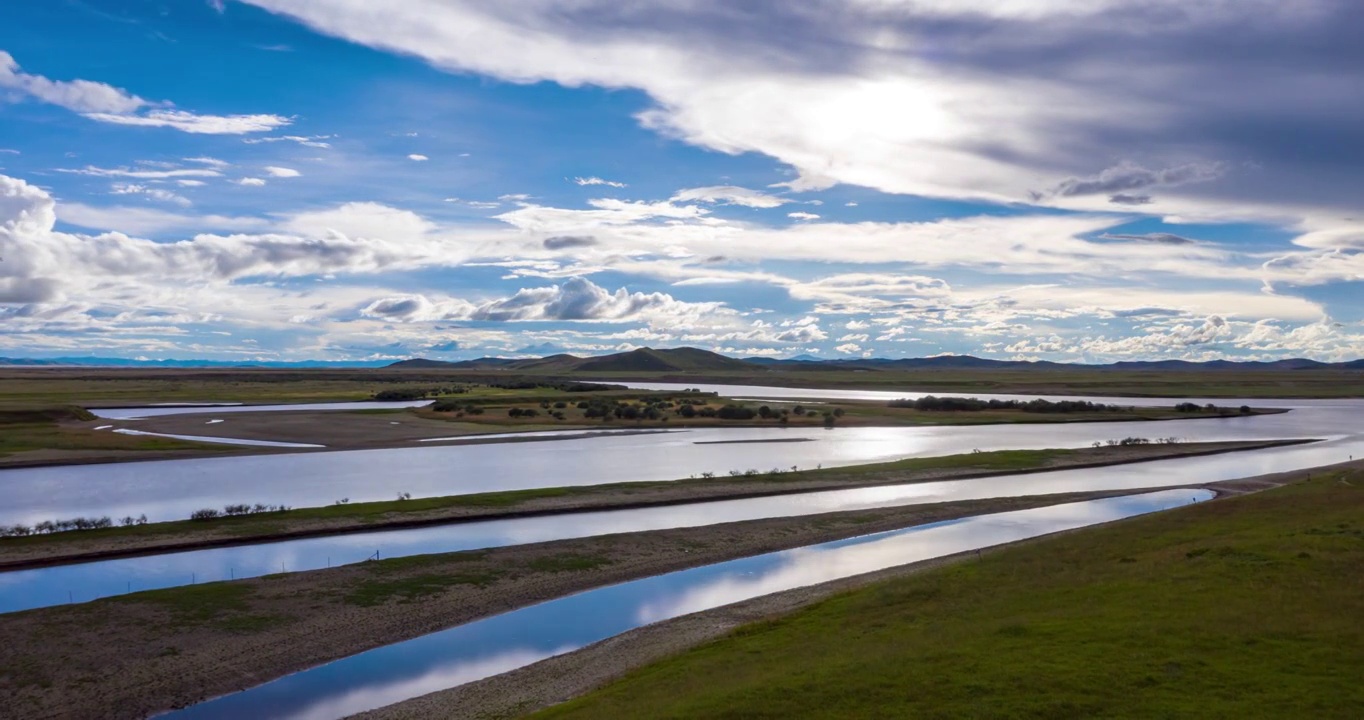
x: 66, y: 548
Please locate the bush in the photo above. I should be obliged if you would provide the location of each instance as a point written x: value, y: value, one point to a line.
x: 736, y: 412
x: 204, y: 514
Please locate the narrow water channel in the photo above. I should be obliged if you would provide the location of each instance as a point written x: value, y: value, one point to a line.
x: 26, y: 589
x: 505, y: 642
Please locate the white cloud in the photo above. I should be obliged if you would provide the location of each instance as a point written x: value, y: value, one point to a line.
x: 197, y: 124
x: 82, y: 96
x: 281, y: 172
x: 150, y: 192
x: 730, y: 195
x: 802, y: 216
x: 250, y: 181
x: 316, y: 141
x: 598, y: 181
x: 143, y: 174
x: 190, y: 183
x: 212, y: 162
x: 106, y: 103
x: 418, y: 158
x: 898, y: 96
x: 143, y: 220
x: 849, y: 349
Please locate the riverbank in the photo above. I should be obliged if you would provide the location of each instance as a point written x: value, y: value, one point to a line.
x: 134, y: 655
x: 61, y: 548
x: 1199, y: 590
x: 498, y: 415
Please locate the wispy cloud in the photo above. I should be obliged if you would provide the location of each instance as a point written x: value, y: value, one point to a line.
x: 597, y: 181
x: 106, y: 103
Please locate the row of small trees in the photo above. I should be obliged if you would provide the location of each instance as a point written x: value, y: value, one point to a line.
x: 47, y: 527
x: 1188, y: 407
x: 957, y: 404
x: 238, y: 510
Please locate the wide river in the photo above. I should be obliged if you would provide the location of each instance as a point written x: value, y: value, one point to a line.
x: 172, y: 489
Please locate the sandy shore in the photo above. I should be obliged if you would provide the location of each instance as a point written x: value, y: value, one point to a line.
x: 21, y: 553
x: 554, y: 680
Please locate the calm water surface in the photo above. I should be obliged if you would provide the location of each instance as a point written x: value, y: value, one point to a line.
x: 172, y: 489
x: 87, y: 581
x: 504, y: 642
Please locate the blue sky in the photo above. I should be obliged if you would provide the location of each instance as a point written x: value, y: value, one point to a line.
x: 347, y: 180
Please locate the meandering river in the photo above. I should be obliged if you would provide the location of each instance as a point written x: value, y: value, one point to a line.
x: 172, y: 489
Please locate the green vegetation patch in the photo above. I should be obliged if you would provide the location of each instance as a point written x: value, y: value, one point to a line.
x: 225, y: 605
x: 407, y: 589
x: 1243, y: 607
x: 567, y: 562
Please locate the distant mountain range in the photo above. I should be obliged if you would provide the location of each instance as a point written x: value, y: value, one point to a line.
x: 694, y: 359
x: 686, y: 359
x: 125, y: 362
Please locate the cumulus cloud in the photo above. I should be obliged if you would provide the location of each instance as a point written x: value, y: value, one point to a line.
x: 106, y: 103
x: 417, y: 158
x: 281, y: 172
x: 1128, y: 176
x: 598, y: 181
x: 250, y: 181
x: 353, y: 238
x: 564, y: 242
x: 577, y: 299
x: 802, y: 216
x: 730, y: 195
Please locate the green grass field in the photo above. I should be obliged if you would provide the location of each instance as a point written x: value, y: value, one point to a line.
x: 1244, y: 607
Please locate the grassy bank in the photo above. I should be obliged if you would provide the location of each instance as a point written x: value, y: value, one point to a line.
x: 34, y: 550
x: 1246, y: 607
x: 52, y: 429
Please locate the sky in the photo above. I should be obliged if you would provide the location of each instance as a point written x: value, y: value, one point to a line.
x: 1069, y: 180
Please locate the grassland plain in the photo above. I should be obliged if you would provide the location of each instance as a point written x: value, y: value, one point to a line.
x: 1244, y: 607
x: 108, y: 387
x: 57, y: 548
x: 134, y: 655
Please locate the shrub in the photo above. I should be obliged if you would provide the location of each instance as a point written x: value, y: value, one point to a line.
x: 204, y: 514
x: 736, y: 412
